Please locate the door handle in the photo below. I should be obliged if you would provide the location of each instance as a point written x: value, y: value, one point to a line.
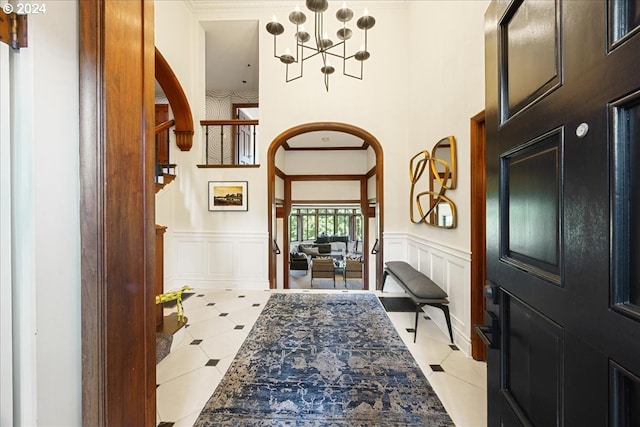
x: 489, y: 333
x: 374, y: 250
x: 484, y: 332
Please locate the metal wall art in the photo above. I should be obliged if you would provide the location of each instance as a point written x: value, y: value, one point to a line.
x: 428, y: 190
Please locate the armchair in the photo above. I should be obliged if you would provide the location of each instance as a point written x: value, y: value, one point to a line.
x: 352, y: 269
x: 323, y: 268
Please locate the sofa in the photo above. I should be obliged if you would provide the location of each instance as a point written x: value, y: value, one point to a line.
x: 298, y: 261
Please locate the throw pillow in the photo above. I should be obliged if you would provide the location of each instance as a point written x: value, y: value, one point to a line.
x: 310, y: 251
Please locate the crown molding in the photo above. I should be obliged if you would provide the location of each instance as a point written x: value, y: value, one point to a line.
x: 233, y: 5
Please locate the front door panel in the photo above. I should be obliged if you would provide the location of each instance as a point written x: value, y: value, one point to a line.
x: 563, y: 202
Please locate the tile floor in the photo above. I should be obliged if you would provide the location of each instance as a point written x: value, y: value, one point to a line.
x: 219, y: 321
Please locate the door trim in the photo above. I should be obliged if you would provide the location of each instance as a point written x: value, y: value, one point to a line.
x: 281, y: 140
x: 117, y: 213
x: 478, y: 231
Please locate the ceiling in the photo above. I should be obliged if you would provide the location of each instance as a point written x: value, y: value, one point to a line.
x: 325, y: 140
x: 232, y: 55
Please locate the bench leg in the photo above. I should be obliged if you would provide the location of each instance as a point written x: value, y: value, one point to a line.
x: 415, y: 328
x: 384, y: 278
x: 447, y: 317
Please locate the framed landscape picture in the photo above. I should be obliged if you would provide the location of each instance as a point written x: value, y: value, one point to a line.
x: 228, y: 195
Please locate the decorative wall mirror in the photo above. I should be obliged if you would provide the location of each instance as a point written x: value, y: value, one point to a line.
x: 427, y: 195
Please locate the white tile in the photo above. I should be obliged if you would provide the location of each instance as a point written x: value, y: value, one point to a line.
x: 202, y: 313
x: 183, y: 360
x: 429, y: 351
x: 187, y: 421
x: 210, y: 327
x: 465, y: 403
x: 224, y: 364
x: 246, y: 317
x: 467, y: 369
x: 187, y: 394
x: 194, y: 301
x: 224, y: 345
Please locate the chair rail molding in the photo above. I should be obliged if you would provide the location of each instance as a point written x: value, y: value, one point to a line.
x: 449, y: 267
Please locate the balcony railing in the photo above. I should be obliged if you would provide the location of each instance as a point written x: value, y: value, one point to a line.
x: 163, y: 164
x: 231, y: 142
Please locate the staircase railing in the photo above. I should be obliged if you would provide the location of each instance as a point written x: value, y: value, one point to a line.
x: 162, y: 162
x: 231, y: 142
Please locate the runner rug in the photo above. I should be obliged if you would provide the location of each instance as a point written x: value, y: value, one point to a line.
x: 320, y: 360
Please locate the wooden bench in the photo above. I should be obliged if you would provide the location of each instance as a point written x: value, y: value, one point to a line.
x: 420, y: 288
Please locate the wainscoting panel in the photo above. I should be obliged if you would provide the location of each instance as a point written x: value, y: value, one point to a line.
x: 449, y: 267
x: 190, y: 257
x: 219, y: 260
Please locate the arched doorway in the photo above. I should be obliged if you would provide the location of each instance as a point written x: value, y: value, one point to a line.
x: 378, y: 171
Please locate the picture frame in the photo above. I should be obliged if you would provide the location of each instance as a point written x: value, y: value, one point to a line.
x: 228, y: 196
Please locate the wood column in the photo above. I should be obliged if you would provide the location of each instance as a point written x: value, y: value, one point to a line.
x: 117, y: 212
x: 160, y: 230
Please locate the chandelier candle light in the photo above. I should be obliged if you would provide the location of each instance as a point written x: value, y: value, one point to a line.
x: 324, y: 46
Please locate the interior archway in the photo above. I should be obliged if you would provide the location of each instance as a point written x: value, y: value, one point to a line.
x: 281, y: 140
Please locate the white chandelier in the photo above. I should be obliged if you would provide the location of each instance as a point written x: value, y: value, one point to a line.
x: 323, y: 46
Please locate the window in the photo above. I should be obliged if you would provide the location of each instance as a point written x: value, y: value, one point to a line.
x: 293, y: 227
x: 307, y: 224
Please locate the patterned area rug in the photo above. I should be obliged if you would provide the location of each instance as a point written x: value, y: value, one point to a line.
x: 320, y: 360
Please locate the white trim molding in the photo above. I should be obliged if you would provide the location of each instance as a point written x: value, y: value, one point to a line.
x: 450, y: 268
x: 219, y: 260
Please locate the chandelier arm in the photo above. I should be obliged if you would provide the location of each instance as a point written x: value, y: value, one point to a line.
x: 318, y: 29
x: 275, y: 54
x: 336, y: 55
x: 366, y: 32
x: 315, y: 52
x: 292, y: 78
x: 351, y: 75
x: 298, y: 44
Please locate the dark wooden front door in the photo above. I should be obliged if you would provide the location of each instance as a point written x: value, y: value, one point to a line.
x: 563, y: 198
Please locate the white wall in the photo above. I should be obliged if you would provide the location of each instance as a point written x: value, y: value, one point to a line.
x: 447, y: 80
x: 325, y: 190
x: 45, y: 232
x: 347, y: 162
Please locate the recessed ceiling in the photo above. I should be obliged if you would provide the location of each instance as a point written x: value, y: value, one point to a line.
x: 231, y: 55
x: 325, y: 140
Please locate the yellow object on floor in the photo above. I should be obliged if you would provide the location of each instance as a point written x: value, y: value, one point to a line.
x: 175, y: 295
